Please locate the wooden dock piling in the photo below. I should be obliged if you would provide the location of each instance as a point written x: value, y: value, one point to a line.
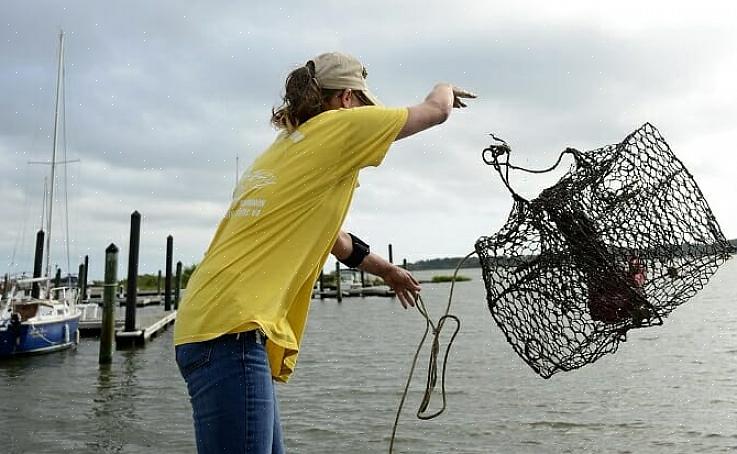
x: 57, y: 282
x: 322, y: 284
x: 131, y: 293
x: 338, y: 293
x: 391, y: 254
x: 38, y: 263
x: 108, y: 308
x: 84, y: 278
x: 178, y: 285
x: 79, y: 280
x: 167, y: 280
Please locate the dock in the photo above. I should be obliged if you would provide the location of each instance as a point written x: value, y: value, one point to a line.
x: 378, y: 290
x: 143, y: 302
x: 92, y: 328
x: 90, y: 324
x: 140, y: 302
x: 148, y: 326
x: 149, y: 322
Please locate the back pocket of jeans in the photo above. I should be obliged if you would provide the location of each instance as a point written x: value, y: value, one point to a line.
x: 191, y: 357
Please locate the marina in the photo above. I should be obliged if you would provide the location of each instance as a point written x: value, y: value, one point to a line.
x: 579, y: 153
x: 668, y: 389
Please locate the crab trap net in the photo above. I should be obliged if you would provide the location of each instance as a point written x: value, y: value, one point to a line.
x: 622, y: 239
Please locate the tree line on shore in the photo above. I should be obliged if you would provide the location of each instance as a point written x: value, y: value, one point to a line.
x: 443, y: 263
x: 154, y: 281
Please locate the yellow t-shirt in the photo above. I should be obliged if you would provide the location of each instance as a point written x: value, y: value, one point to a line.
x: 269, y: 248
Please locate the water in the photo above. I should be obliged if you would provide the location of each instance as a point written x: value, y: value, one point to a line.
x: 668, y: 389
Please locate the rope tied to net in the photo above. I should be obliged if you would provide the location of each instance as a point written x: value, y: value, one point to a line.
x: 491, y: 154
x: 432, y: 369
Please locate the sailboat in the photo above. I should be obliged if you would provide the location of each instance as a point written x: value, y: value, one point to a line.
x: 34, y: 317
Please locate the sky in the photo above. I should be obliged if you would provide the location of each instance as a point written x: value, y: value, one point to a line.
x: 166, y: 101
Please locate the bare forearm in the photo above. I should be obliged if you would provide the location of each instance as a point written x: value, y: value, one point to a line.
x: 400, y: 280
x: 376, y: 265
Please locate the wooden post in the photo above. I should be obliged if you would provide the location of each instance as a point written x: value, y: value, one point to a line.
x: 322, y: 284
x: 5, y: 286
x: 404, y: 263
x: 131, y: 293
x: 80, y: 273
x: 338, y: 293
x: 38, y: 263
x: 178, y: 285
x: 158, y: 285
x: 363, y: 280
x: 85, y: 280
x: 108, y: 306
x: 57, y: 282
x: 391, y: 255
x: 167, y: 280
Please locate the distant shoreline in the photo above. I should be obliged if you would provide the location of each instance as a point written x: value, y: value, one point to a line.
x: 473, y: 262
x: 443, y: 264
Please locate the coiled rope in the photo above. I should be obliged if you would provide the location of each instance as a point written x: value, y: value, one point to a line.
x: 432, y: 369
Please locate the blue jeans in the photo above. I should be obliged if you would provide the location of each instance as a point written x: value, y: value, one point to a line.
x: 233, y: 398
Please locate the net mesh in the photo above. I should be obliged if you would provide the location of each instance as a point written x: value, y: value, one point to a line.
x: 622, y: 239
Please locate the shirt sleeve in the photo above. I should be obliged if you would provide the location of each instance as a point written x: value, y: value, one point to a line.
x: 369, y: 132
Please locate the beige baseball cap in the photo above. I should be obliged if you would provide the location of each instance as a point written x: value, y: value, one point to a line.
x: 337, y: 71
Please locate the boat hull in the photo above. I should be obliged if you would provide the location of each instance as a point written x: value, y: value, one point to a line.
x: 28, y: 338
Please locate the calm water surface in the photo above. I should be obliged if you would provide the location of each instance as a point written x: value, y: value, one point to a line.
x: 668, y: 389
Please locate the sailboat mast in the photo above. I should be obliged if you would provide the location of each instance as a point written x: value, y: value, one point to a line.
x: 57, y: 112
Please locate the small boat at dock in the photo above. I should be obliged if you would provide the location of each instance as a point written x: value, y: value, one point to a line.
x: 30, y: 325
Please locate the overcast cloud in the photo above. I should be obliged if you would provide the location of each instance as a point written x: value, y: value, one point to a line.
x: 161, y: 97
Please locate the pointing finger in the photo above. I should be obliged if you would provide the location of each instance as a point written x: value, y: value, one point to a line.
x: 461, y: 93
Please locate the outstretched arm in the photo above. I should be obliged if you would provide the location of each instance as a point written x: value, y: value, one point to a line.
x: 400, y: 280
x: 435, y: 109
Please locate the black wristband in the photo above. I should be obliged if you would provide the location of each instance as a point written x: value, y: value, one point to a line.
x: 360, y: 251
